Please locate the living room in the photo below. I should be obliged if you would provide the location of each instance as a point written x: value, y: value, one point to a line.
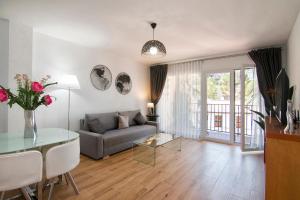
x: 149, y: 99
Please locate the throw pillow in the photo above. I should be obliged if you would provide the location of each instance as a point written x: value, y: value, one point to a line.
x: 131, y: 114
x: 95, y: 126
x: 123, y: 121
x: 140, y: 119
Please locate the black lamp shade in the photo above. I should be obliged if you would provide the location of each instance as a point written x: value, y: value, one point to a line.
x: 154, y: 48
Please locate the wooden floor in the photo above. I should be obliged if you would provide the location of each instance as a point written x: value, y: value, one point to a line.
x: 201, y: 171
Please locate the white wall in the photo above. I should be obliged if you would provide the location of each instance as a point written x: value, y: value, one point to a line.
x: 16, y: 57
x: 57, y: 57
x: 4, y: 52
x: 20, y: 61
x: 226, y: 63
x: 294, y: 60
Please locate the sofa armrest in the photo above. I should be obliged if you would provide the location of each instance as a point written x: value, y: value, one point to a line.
x: 152, y: 123
x: 91, y: 144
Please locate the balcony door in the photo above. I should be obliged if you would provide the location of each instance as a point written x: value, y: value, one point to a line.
x: 219, y: 106
x: 247, y: 98
x: 230, y: 97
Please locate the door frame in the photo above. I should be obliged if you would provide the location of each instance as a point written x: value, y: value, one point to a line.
x: 204, y: 106
x: 232, y: 70
x: 243, y: 131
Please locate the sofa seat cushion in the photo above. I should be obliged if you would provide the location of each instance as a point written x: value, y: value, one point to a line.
x: 119, y: 136
x: 108, y: 120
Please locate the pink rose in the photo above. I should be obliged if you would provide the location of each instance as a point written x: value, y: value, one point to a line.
x: 3, y: 95
x: 37, y: 87
x: 47, y: 100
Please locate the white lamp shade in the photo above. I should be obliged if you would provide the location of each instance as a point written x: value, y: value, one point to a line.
x: 150, y: 105
x: 69, y: 82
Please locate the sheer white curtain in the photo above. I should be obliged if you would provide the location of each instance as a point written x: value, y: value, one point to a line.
x: 257, y: 137
x: 179, y: 107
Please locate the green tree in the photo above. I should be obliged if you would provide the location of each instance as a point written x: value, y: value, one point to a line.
x: 218, y: 86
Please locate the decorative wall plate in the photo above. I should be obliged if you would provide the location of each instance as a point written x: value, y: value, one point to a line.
x: 101, y: 77
x: 123, y: 83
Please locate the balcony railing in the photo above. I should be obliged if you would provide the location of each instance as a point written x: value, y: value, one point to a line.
x: 218, y: 118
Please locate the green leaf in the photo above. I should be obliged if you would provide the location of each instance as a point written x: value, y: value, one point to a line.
x: 47, y: 85
x: 260, y: 123
x: 258, y: 113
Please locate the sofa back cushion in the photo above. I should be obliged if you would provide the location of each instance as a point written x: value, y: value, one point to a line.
x: 131, y: 114
x: 108, y: 120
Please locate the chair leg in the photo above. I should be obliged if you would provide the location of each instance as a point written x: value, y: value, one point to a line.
x: 72, y: 182
x: 40, y: 190
x: 60, y: 179
x: 51, y: 190
x: 66, y: 178
x: 25, y: 193
x: 2, y: 195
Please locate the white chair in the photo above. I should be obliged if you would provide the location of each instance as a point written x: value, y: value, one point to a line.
x: 18, y: 170
x: 60, y: 160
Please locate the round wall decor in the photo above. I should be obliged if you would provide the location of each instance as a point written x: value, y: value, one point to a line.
x: 123, y: 83
x: 101, y: 77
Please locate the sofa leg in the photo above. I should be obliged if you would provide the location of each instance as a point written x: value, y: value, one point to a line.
x: 105, y: 157
x: 2, y: 195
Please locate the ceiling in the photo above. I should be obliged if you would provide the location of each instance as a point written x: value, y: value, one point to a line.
x: 188, y: 28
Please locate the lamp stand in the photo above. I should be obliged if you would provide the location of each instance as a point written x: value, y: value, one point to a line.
x: 69, y: 108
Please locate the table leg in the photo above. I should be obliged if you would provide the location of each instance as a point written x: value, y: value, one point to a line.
x: 154, y: 162
x: 2, y: 195
x: 180, y: 143
x: 145, y: 154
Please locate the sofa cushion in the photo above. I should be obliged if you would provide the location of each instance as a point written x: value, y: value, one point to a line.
x: 131, y: 115
x: 140, y: 119
x: 123, y: 121
x: 119, y: 136
x: 109, y: 120
x: 95, y: 126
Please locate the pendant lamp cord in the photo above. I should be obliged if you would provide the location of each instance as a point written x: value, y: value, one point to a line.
x: 153, y: 34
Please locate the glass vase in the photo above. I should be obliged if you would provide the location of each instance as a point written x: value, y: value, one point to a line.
x: 30, y: 130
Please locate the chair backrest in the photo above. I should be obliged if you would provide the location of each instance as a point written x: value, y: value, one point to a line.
x: 18, y: 170
x: 62, y: 158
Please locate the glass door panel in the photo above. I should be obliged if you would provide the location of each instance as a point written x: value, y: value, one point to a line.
x: 247, y: 98
x: 237, y: 107
x: 218, y: 105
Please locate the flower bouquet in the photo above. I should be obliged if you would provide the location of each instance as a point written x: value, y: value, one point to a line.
x: 30, y: 95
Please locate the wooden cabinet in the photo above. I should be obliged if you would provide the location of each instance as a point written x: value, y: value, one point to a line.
x: 282, y: 156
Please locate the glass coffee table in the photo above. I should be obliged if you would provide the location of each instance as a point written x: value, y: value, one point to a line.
x: 144, y: 149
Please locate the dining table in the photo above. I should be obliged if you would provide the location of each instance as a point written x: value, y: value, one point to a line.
x: 13, y: 142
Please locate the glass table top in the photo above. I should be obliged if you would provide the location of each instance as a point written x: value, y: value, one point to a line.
x: 157, y: 139
x: 13, y: 142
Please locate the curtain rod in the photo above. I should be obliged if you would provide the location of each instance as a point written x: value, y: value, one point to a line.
x: 204, y: 58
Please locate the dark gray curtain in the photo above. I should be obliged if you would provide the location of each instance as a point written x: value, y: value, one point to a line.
x: 158, y: 75
x: 268, y: 65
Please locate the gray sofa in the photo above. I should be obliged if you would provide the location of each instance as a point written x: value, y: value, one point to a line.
x: 114, y: 140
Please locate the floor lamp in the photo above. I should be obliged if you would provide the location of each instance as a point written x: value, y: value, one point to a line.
x: 69, y: 82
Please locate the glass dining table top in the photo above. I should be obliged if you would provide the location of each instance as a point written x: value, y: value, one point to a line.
x: 15, y: 141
